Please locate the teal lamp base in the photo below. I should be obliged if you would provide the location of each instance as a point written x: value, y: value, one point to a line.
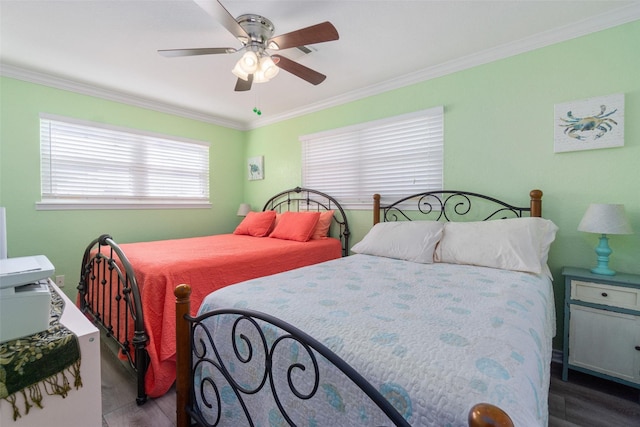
x: 603, y: 251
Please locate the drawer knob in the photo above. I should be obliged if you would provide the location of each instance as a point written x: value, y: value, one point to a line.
x: 638, y: 347
x: 604, y: 294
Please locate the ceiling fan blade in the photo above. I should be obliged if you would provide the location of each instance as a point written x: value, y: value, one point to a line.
x: 196, y: 51
x: 220, y: 14
x: 299, y: 70
x: 244, y: 85
x: 318, y: 33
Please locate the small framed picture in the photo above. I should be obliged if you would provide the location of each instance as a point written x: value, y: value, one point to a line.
x: 589, y: 124
x: 256, y: 168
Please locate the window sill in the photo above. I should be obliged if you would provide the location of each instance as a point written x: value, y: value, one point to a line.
x: 76, y: 205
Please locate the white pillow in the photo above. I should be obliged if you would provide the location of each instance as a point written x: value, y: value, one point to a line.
x: 408, y: 240
x: 520, y: 244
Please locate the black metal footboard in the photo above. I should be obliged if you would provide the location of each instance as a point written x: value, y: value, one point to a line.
x: 108, y: 294
x: 286, y: 369
x: 259, y: 345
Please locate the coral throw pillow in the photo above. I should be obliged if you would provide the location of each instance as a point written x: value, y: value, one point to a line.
x: 297, y: 226
x: 324, y: 223
x: 256, y: 224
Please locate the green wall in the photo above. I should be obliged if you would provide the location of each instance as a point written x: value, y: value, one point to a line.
x: 499, y: 139
x: 63, y: 235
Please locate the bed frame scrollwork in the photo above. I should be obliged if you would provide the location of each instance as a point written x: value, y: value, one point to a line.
x: 451, y: 205
x: 206, y: 358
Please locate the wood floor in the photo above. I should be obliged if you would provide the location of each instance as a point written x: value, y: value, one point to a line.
x: 583, y: 401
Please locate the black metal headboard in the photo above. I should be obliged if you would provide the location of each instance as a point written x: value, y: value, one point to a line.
x: 451, y: 205
x: 304, y: 199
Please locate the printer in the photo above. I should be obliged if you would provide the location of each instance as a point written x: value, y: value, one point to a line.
x: 24, y: 296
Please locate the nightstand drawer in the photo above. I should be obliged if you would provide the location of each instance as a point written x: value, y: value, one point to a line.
x: 598, y: 293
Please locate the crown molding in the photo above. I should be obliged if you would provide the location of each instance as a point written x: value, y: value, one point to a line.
x: 607, y: 20
x: 42, y: 78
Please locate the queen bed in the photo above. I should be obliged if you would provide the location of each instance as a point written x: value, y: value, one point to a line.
x: 431, y: 318
x: 127, y: 289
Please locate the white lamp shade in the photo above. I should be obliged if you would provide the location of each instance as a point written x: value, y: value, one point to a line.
x: 249, y: 62
x: 244, y: 209
x: 259, y: 77
x: 266, y: 71
x: 268, y: 67
x: 605, y: 219
x: 238, y: 72
x: 263, y: 68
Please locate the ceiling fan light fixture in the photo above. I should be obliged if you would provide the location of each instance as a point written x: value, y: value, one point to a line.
x: 267, y: 70
x: 255, y: 32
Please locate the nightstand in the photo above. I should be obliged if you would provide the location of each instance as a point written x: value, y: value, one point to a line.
x: 602, y: 325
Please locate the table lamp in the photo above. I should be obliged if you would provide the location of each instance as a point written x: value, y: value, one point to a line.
x: 244, y: 209
x: 604, y: 219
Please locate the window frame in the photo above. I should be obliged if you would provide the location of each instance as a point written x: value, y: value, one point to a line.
x: 201, y: 156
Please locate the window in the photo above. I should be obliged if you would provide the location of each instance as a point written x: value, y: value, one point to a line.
x: 394, y: 157
x: 91, y: 165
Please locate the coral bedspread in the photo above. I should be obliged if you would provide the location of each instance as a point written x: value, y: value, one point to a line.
x: 207, y: 264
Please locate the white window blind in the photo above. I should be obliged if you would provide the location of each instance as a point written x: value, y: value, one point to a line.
x: 87, y: 163
x: 394, y: 157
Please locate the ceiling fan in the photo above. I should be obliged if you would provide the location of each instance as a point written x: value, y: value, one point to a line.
x: 255, y: 32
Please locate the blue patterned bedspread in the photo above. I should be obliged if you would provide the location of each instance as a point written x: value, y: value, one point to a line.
x: 433, y: 338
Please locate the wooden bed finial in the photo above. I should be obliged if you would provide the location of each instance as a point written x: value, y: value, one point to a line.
x: 183, y: 354
x: 376, y: 208
x: 488, y: 415
x: 536, y: 203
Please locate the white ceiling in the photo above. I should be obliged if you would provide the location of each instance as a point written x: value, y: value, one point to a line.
x: 109, y: 48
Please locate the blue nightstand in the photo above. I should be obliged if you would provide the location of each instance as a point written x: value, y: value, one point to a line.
x: 602, y: 325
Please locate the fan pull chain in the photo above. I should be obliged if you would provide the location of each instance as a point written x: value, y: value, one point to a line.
x: 257, y: 102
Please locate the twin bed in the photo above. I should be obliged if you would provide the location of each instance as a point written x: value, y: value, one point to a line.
x: 425, y: 321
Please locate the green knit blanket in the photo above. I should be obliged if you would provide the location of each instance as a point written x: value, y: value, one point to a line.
x: 40, y: 364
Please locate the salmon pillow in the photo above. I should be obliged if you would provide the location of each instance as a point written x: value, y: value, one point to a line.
x: 256, y: 224
x: 324, y: 223
x: 298, y: 226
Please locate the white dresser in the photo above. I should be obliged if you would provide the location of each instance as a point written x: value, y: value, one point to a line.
x: 82, y: 407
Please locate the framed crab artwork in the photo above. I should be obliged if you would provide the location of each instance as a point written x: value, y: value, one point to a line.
x: 589, y: 124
